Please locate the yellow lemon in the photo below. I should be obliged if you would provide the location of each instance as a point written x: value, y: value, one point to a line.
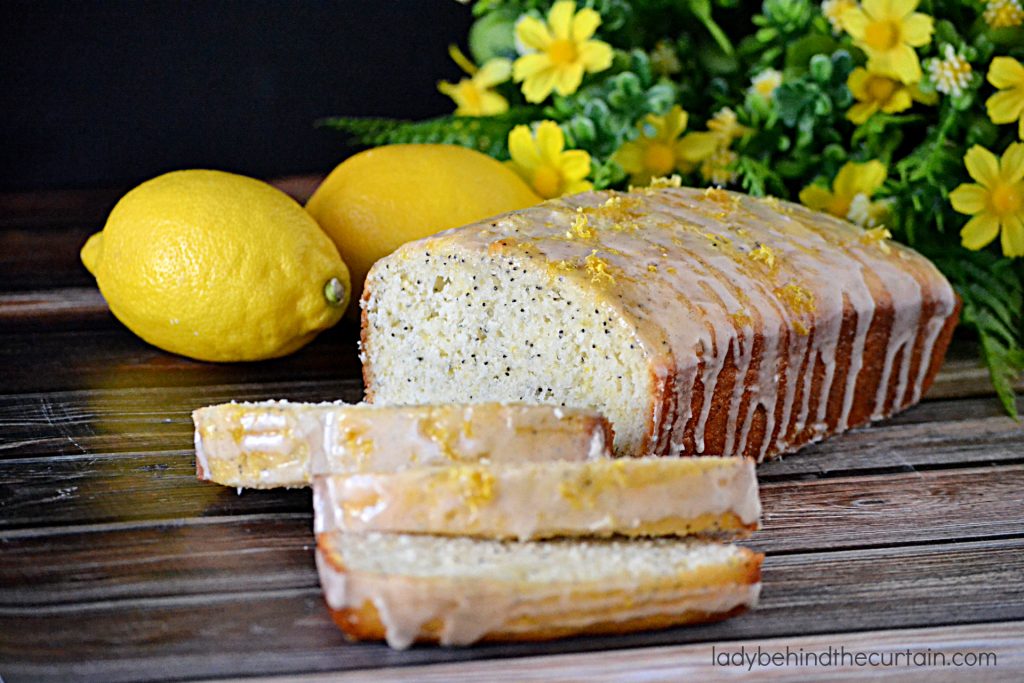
x: 377, y: 200
x: 218, y: 267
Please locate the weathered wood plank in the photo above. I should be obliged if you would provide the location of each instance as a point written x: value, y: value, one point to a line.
x: 106, y: 421
x: 878, y: 510
x: 83, y: 308
x: 160, y: 486
x: 112, y: 358
x: 963, y: 374
x: 125, y: 488
x: 75, y: 308
x: 288, y: 631
x: 31, y: 258
x: 199, y: 553
x: 102, y: 421
x: 191, y: 556
x: 59, y: 308
x: 87, y: 488
x: 936, y: 652
x: 911, y: 441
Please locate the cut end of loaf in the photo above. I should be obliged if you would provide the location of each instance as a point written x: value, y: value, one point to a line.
x: 456, y: 591
x: 511, y: 331
x: 653, y: 496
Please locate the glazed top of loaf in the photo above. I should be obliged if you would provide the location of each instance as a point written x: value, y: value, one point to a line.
x: 700, y: 272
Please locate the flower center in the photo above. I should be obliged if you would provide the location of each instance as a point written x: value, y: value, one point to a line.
x: 474, y: 102
x: 659, y: 159
x: 562, y: 51
x: 881, y: 89
x: 882, y: 35
x: 547, y: 181
x: 1007, y: 199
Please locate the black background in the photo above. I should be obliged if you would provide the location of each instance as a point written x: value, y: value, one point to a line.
x: 110, y: 93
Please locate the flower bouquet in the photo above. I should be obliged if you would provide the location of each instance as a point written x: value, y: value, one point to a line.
x: 903, y: 116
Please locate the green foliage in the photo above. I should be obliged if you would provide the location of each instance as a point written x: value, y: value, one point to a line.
x: 486, y: 134
x: 993, y: 306
x: 703, y: 55
x: 601, y: 116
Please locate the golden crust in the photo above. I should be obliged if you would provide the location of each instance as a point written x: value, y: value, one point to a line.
x: 656, y: 440
x: 365, y: 623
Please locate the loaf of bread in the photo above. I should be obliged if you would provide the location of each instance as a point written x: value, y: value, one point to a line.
x: 629, y: 496
x: 277, y: 443
x: 455, y: 591
x: 697, y: 321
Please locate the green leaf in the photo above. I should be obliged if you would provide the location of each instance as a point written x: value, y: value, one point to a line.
x: 992, y: 291
x: 702, y: 10
x: 485, y: 134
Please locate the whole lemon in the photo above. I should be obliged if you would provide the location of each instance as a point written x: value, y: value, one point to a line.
x: 377, y: 200
x: 218, y: 267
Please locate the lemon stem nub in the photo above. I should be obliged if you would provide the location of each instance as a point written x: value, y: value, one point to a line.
x: 334, y: 292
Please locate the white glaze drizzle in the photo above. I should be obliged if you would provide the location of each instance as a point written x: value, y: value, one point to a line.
x: 699, y: 286
x: 469, y: 608
x: 294, y: 441
x: 540, y: 501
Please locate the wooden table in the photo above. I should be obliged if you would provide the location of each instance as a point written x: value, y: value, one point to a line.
x: 116, y: 564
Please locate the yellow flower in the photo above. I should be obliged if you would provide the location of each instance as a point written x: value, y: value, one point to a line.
x: 659, y: 151
x: 720, y: 167
x: 875, y: 92
x: 726, y: 127
x: 851, y: 193
x: 664, y: 60
x: 951, y: 74
x: 1007, y: 105
x: 473, y: 96
x: 765, y: 83
x: 996, y: 201
x: 834, y: 10
x: 888, y: 31
x: 560, y: 51
x: 544, y: 163
x: 1003, y: 13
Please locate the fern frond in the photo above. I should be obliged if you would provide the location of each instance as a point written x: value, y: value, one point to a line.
x: 485, y: 134
x: 992, y: 291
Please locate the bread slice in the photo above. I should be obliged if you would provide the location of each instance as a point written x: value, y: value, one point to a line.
x: 651, y: 496
x: 277, y: 443
x: 697, y: 321
x: 456, y: 591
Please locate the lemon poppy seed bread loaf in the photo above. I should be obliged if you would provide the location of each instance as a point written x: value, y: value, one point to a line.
x: 457, y: 590
x: 649, y: 496
x: 283, y: 444
x: 697, y: 321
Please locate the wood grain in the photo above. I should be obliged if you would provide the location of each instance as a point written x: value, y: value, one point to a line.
x: 189, y: 556
x: 35, y: 362
x: 286, y: 631
x: 101, y: 421
x: 911, y: 507
x: 31, y: 258
x: 132, y: 551
x: 138, y: 486
x: 62, y: 308
x: 129, y: 487
x: 694, y: 662
x: 104, y: 421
